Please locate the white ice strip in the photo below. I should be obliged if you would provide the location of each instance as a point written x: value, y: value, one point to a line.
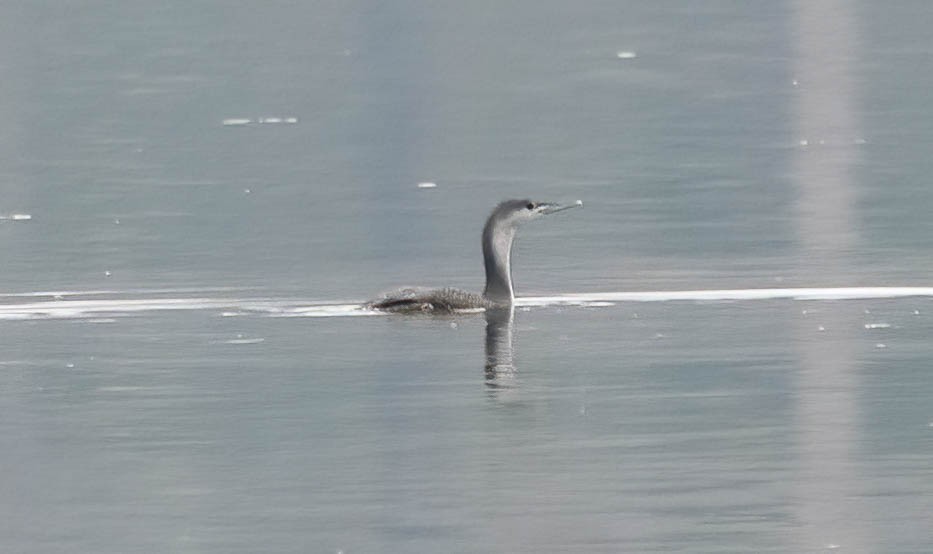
x: 60, y: 306
x: 331, y: 310
x: 64, y: 309
x: 837, y: 293
x: 79, y: 309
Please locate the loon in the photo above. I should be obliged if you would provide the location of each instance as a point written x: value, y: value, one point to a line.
x: 498, y: 235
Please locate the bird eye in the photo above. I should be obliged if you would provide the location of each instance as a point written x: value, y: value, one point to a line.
x: 530, y: 206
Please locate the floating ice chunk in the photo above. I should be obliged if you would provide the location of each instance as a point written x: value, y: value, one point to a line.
x: 821, y: 328
x: 239, y: 121
x: 804, y: 142
x: 626, y: 55
x: 69, y: 365
x: 107, y: 274
x: 245, y: 341
x: 881, y: 345
x: 427, y: 185
x: 916, y: 312
x: 795, y: 82
x: 877, y: 325
x: 16, y: 217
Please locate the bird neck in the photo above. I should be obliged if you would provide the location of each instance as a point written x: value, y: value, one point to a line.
x: 497, y: 253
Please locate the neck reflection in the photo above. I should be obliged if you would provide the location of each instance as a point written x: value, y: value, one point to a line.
x: 500, y: 369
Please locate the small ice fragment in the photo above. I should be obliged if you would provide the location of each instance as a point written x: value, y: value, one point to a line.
x: 795, y: 82
x: 246, y: 191
x: 860, y: 141
x: 16, y: 217
x: 821, y: 328
x: 291, y: 120
x: 822, y: 141
x: 427, y: 185
x: 916, y: 312
x: 107, y: 274
x: 804, y: 312
x: 271, y: 120
x: 245, y: 341
x: 234, y: 121
x: 866, y: 311
x: 579, y: 202
x: 626, y: 55
x: 804, y: 142
x: 832, y: 546
x: 69, y: 365
x: 877, y: 325
x: 881, y: 345
x: 453, y: 325
x: 116, y: 221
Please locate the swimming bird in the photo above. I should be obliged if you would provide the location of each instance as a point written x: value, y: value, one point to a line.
x: 498, y: 235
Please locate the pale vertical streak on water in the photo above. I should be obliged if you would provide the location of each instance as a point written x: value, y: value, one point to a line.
x: 826, y: 408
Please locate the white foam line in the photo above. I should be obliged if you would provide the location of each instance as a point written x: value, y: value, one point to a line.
x: 66, y: 293
x: 96, y: 308
x: 78, y: 309
x: 65, y: 309
x: 832, y: 293
x: 328, y: 310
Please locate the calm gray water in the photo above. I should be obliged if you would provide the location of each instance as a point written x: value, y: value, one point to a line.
x: 160, y: 390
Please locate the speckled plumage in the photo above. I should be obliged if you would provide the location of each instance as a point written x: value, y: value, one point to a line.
x: 410, y: 300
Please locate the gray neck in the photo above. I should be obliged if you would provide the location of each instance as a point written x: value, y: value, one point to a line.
x: 497, y: 253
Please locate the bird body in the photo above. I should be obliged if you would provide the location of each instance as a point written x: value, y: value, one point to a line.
x: 498, y: 236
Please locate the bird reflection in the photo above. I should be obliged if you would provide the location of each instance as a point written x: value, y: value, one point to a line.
x: 500, y: 370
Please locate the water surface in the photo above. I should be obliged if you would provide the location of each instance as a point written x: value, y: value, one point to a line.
x: 203, y: 182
